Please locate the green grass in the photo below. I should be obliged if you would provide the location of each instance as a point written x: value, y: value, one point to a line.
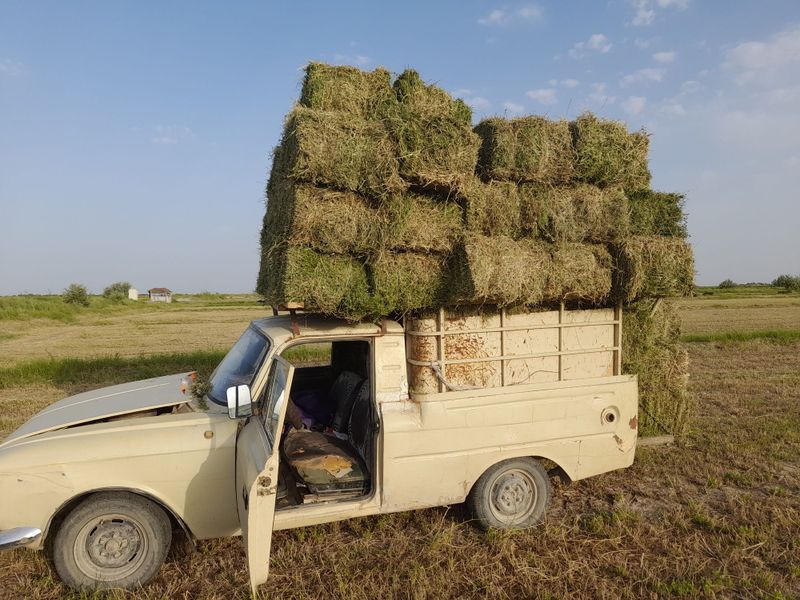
x: 105, y: 370
x: 742, y: 291
x: 26, y: 308
x: 777, y: 336
x: 308, y: 353
x: 29, y: 307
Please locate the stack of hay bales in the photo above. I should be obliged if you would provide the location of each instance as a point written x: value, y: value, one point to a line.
x: 383, y: 199
x: 361, y: 213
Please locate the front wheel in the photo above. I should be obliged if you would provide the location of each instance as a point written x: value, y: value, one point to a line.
x: 111, y: 540
x: 513, y: 494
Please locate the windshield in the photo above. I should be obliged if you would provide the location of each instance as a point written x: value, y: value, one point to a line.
x: 239, y: 366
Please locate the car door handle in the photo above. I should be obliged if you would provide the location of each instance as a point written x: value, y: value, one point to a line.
x: 245, y: 497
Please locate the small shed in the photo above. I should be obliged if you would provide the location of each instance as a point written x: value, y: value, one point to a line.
x: 160, y: 295
x: 133, y: 294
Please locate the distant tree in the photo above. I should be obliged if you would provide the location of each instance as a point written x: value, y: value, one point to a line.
x: 117, y: 291
x: 76, y: 294
x: 728, y: 283
x: 788, y: 282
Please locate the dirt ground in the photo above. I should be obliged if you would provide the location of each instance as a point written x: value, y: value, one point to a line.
x: 715, y: 516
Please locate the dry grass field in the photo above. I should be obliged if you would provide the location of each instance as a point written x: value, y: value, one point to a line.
x: 717, y: 515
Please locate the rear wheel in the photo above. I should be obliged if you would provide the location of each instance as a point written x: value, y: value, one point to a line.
x: 513, y: 494
x: 112, y: 540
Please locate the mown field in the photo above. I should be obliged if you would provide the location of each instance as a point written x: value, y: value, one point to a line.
x: 717, y: 515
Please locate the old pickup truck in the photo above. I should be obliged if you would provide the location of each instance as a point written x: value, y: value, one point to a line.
x: 309, y: 420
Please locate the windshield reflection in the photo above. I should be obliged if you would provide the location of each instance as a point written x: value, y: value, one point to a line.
x: 239, y: 366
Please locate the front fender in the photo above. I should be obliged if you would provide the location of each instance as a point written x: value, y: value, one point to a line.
x: 185, y: 462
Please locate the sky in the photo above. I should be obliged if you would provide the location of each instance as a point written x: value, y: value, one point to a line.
x: 136, y: 137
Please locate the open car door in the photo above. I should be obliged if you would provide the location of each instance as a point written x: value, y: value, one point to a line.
x: 257, y: 458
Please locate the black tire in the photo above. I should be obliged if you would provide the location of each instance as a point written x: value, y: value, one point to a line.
x: 513, y: 494
x: 111, y: 540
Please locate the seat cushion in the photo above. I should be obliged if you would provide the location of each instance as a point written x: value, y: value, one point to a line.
x: 324, y: 462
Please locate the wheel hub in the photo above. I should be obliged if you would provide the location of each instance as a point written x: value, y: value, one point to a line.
x: 513, y: 497
x: 113, y: 544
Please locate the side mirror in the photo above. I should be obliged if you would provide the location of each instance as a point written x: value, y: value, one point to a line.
x: 240, y: 404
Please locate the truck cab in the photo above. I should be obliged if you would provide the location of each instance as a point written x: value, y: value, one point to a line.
x: 309, y: 420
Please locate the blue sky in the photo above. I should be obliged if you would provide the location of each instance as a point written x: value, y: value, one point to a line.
x: 135, y: 137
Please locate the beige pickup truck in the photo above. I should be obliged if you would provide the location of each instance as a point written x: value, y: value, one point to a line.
x: 309, y: 420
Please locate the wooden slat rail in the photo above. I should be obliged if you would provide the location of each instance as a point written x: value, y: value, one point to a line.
x: 442, y: 361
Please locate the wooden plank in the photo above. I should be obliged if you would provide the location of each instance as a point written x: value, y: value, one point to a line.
x: 440, y: 340
x: 502, y: 347
x: 560, y: 341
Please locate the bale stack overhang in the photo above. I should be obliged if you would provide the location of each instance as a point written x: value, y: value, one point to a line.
x: 383, y: 199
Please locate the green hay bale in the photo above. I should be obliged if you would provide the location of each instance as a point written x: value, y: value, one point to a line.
x: 323, y: 219
x: 657, y: 213
x: 429, y: 101
x: 652, y: 267
x: 499, y: 270
x: 366, y: 94
x: 579, y: 272
x: 607, y: 154
x: 492, y: 208
x: 580, y: 213
x: 433, y: 132
x: 419, y: 223
x: 331, y: 285
x: 651, y: 349
x: 403, y: 281
x: 338, y: 150
x: 527, y: 149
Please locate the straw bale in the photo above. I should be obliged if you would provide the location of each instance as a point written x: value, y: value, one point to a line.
x: 607, y: 154
x: 499, y: 270
x: 366, y: 94
x: 491, y: 208
x: 579, y: 272
x: 652, y: 266
x: 652, y: 350
x: 324, y: 219
x: 425, y: 101
x: 403, y: 281
x: 578, y: 213
x: 526, y: 149
x: 437, y: 147
x: 338, y: 150
x: 329, y: 284
x: 420, y: 223
x: 657, y: 213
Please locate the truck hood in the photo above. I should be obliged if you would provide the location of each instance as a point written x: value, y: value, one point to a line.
x: 112, y: 401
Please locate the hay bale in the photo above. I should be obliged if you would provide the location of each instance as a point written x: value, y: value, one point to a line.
x: 419, y: 223
x: 580, y: 213
x: 527, y: 149
x: 607, y: 154
x: 657, y: 213
x: 338, y: 150
x: 328, y: 284
x: 425, y: 101
x: 403, y: 281
x: 492, y: 208
x: 366, y: 94
x: 651, y: 349
x: 323, y: 219
x: 437, y: 147
x: 579, y: 272
x: 499, y: 270
x: 652, y: 266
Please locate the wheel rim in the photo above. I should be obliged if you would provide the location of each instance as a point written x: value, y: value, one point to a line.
x: 110, y: 547
x: 513, y: 497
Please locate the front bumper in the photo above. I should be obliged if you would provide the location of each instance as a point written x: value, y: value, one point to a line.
x: 19, y: 536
